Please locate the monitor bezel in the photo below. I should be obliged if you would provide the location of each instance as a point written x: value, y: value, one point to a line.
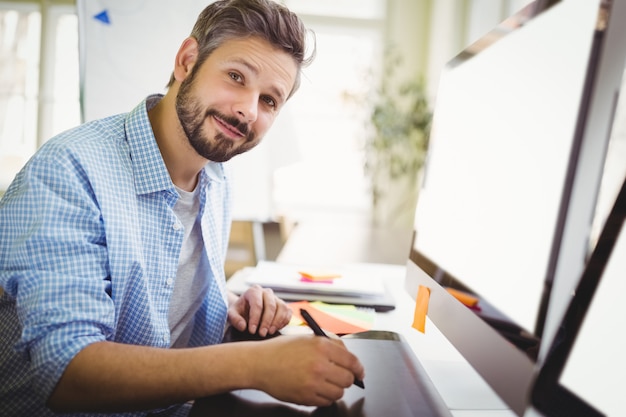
x: 548, y: 395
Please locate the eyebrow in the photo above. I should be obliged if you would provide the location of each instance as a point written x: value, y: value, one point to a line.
x: 273, y: 89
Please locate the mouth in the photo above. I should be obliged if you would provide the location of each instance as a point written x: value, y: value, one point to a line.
x: 228, y: 129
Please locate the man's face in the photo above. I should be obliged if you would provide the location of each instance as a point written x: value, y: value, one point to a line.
x: 228, y: 103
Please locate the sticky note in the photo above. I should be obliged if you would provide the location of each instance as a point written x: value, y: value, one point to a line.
x: 421, y: 308
x: 463, y: 297
x: 338, y: 319
x: 316, y: 281
x: 321, y: 276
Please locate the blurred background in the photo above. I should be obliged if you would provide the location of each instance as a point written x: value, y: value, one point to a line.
x: 349, y: 144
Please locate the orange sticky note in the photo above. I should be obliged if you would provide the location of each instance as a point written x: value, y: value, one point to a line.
x: 328, y: 319
x: 421, y: 308
x: 319, y: 275
x: 465, y: 298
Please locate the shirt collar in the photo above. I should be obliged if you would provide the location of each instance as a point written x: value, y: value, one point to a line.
x: 214, y: 171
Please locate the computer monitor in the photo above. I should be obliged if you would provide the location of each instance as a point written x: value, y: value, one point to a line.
x: 520, y: 129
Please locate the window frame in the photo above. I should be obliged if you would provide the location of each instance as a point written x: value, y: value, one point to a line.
x: 50, y: 11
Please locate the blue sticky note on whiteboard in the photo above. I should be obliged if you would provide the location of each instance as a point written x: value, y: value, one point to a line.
x: 103, y: 16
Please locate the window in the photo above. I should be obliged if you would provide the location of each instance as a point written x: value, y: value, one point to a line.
x: 320, y: 169
x: 39, y: 84
x: 327, y: 121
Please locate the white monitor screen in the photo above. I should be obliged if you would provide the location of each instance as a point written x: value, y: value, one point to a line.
x: 503, y: 129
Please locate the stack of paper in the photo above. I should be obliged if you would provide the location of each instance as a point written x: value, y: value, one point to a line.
x: 343, y: 281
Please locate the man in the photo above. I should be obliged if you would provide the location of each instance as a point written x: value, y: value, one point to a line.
x: 113, y: 238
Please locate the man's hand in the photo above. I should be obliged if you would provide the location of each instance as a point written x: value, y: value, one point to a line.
x: 258, y: 309
x: 309, y: 370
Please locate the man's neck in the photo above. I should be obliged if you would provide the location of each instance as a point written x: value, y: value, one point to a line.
x: 182, y: 161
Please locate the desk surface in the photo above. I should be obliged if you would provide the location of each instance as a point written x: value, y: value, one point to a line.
x: 464, y: 392
x: 340, y: 240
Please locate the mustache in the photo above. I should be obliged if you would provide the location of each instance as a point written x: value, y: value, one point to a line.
x: 242, y: 127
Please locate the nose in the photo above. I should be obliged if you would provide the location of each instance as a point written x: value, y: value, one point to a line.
x: 247, y: 107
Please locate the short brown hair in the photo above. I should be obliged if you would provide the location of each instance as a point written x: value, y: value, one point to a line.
x: 225, y: 20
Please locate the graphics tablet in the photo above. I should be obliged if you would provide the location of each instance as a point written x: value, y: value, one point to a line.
x: 395, y: 385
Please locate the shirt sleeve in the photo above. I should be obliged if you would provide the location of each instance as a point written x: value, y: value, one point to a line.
x: 54, y: 263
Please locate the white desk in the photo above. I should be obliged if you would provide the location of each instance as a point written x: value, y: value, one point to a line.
x: 343, y: 240
x: 462, y: 388
x: 465, y: 393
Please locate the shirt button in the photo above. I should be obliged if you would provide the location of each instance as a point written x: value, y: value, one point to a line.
x: 165, y: 338
x: 177, y: 226
x: 169, y: 282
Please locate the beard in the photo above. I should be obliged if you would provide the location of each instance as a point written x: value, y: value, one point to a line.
x: 192, y: 117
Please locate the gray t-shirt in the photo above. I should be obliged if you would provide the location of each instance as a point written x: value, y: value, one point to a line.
x: 191, y: 284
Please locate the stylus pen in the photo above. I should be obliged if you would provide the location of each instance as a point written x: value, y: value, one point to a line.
x: 319, y: 332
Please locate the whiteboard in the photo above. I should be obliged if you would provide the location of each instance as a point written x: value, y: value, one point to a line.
x: 127, y: 50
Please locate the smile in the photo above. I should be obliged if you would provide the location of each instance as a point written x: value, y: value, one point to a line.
x: 228, y: 128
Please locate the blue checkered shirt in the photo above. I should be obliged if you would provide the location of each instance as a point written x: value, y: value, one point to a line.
x: 89, y: 248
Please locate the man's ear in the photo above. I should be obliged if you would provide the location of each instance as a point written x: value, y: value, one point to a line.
x: 185, y: 58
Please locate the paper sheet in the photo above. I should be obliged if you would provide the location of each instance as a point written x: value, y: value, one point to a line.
x: 352, y: 281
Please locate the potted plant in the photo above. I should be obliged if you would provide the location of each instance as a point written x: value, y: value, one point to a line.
x: 395, y: 148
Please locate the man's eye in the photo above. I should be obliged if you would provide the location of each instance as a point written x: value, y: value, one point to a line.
x: 269, y: 101
x: 235, y: 76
